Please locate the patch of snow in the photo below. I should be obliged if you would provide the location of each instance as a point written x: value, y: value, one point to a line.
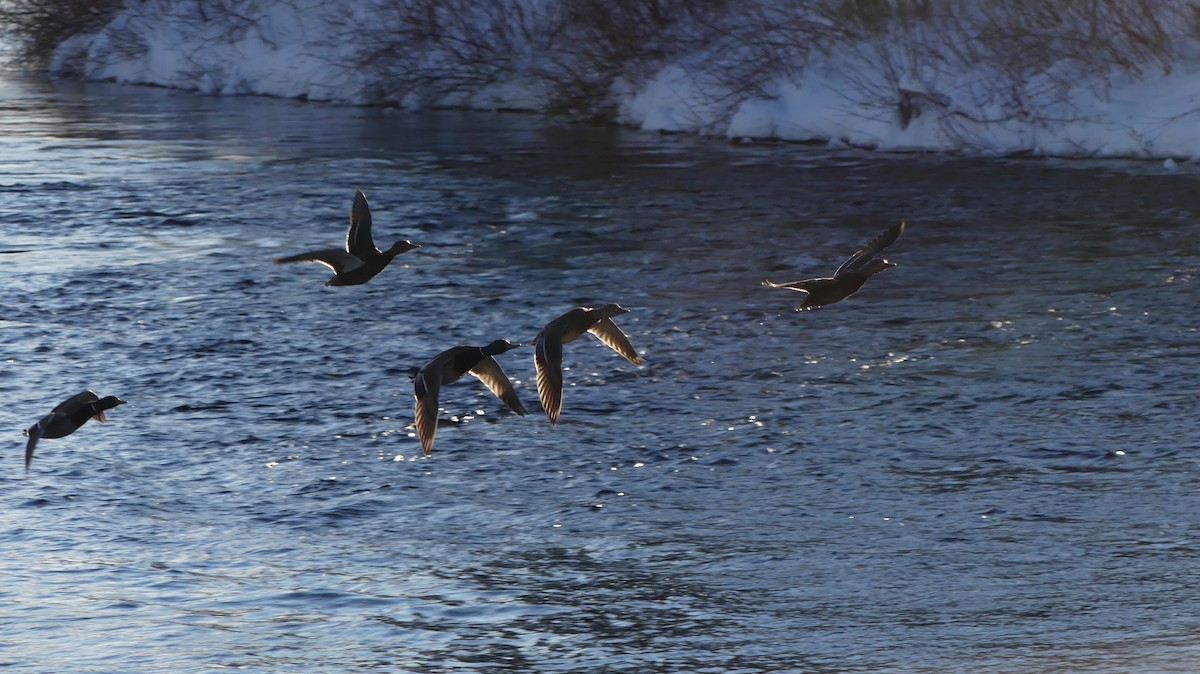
x: 881, y: 94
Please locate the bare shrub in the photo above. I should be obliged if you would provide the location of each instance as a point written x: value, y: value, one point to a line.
x: 41, y: 25
x: 222, y: 22
x: 867, y: 18
x: 570, y: 51
x: 626, y: 40
x: 1105, y: 34
x: 422, y: 51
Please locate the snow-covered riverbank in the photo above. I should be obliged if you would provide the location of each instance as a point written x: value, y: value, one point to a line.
x: 937, y: 82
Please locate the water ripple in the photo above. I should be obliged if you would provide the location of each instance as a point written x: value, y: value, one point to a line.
x: 983, y: 459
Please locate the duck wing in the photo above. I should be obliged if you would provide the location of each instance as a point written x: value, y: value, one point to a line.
x: 358, y: 239
x: 35, y: 433
x: 425, y: 391
x: 608, y: 332
x: 805, y: 286
x: 873, y: 247
x: 335, y: 258
x: 492, y: 375
x: 548, y: 359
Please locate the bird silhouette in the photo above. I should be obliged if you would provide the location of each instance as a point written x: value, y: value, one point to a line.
x: 448, y: 366
x: 849, y: 277
x: 548, y: 348
x: 67, y: 417
x: 361, y: 261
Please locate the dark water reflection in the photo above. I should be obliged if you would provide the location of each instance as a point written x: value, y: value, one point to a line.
x: 987, y: 459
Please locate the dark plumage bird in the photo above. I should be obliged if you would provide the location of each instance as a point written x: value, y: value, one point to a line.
x: 548, y: 348
x: 361, y: 260
x: 67, y: 417
x: 849, y: 277
x: 448, y: 366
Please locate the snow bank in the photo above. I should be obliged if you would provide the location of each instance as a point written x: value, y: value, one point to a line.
x: 1156, y: 115
x: 275, y: 52
x: 887, y: 91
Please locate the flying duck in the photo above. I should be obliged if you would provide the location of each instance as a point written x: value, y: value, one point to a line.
x: 67, y: 417
x: 548, y: 348
x: 849, y: 277
x: 448, y: 366
x: 361, y: 260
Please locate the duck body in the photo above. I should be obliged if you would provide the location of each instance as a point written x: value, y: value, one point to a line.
x: 825, y: 290
x: 360, y: 261
x: 449, y: 366
x: 849, y: 277
x: 67, y: 417
x: 548, y: 348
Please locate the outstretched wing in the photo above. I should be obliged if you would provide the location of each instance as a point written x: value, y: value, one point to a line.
x: 35, y: 433
x: 492, y: 375
x: 358, y: 239
x: 608, y: 332
x: 335, y: 258
x: 548, y: 359
x: 875, y: 246
x: 425, y: 391
x: 805, y: 286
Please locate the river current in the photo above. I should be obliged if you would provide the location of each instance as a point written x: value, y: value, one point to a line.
x: 986, y: 460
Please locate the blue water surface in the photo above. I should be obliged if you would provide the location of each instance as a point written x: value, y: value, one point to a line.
x: 985, y: 461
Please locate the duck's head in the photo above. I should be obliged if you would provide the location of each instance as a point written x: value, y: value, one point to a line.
x: 499, y: 346
x: 109, y: 402
x: 611, y: 309
x: 402, y: 247
x: 877, y: 265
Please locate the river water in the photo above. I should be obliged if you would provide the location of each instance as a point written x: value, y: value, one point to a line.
x: 987, y: 460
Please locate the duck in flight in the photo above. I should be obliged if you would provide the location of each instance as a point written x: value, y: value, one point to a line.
x: 67, y: 417
x: 361, y: 260
x: 849, y: 277
x: 448, y: 366
x: 548, y: 348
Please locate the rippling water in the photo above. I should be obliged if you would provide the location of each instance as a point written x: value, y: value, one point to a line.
x: 986, y: 460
